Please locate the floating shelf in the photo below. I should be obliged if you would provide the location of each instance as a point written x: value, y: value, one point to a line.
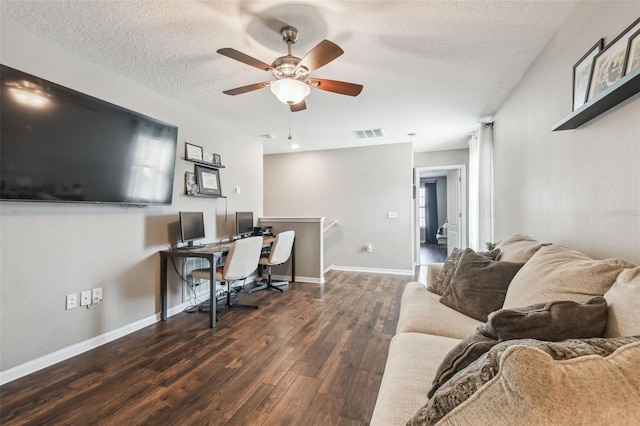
x: 205, y: 195
x: 206, y: 164
x: 622, y: 90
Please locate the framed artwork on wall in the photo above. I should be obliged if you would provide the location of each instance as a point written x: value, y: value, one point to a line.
x: 208, y: 181
x: 581, y: 73
x: 633, y: 53
x: 192, y: 152
x: 609, y: 65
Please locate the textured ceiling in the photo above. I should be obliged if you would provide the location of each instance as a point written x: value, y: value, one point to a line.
x: 434, y: 68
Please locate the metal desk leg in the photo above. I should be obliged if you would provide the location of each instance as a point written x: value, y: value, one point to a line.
x: 212, y: 292
x: 163, y: 286
x: 293, y: 261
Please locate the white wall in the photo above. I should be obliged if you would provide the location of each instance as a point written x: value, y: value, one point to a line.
x: 50, y: 250
x: 357, y: 187
x: 579, y: 188
x: 441, y: 158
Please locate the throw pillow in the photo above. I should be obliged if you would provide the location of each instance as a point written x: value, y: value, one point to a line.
x: 559, y: 273
x: 623, y: 318
x: 553, y: 321
x: 479, y: 285
x: 531, y: 374
x: 518, y: 248
x: 442, y: 281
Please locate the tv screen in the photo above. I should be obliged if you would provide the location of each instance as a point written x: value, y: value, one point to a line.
x: 244, y: 223
x: 191, y: 228
x: 60, y: 145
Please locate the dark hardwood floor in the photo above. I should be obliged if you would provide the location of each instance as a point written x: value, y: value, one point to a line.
x: 311, y: 356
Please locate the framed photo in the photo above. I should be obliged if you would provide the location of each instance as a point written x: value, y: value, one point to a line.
x: 190, y: 185
x: 217, y: 160
x: 633, y: 53
x: 581, y: 73
x: 192, y: 152
x: 207, y: 158
x: 208, y: 181
x: 609, y: 65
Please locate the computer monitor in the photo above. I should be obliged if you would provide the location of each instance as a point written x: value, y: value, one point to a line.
x: 191, y: 228
x: 244, y: 223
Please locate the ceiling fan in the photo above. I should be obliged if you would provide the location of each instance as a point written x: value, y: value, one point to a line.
x: 292, y: 83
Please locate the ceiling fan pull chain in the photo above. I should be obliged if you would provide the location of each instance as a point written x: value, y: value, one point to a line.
x: 290, y: 137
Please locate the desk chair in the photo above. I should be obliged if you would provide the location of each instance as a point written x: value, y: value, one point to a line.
x: 279, y: 254
x: 240, y: 263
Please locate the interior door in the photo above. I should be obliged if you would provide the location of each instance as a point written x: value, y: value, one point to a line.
x: 454, y: 213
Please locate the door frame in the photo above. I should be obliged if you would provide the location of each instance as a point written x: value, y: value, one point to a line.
x: 462, y: 196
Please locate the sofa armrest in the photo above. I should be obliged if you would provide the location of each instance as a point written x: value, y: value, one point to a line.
x: 433, y: 269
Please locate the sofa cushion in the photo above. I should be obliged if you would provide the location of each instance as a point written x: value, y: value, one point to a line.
x: 552, y: 321
x: 479, y: 285
x: 560, y: 273
x: 623, y: 297
x: 422, y: 312
x: 518, y: 248
x: 411, y: 363
x: 524, y: 378
x: 442, y: 281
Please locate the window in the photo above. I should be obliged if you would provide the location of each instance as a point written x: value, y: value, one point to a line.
x: 422, y: 205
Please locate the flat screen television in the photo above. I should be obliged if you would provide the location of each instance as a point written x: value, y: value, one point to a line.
x: 244, y: 223
x: 191, y: 228
x: 60, y: 145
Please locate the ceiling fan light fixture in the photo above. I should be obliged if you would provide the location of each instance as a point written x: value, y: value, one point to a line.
x: 290, y: 91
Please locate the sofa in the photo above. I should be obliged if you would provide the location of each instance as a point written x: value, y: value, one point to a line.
x: 529, y: 333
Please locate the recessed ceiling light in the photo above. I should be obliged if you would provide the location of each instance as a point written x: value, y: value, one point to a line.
x: 294, y: 146
x: 412, y: 134
x: 268, y: 136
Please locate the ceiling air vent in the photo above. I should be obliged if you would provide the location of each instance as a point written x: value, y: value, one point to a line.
x: 368, y: 134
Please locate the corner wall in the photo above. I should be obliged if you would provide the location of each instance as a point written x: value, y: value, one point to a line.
x: 356, y: 187
x: 49, y: 250
x: 579, y: 188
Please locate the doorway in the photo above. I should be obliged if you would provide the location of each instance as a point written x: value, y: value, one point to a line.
x: 449, y: 183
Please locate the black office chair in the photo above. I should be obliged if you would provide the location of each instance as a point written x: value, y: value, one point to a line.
x: 241, y: 261
x: 279, y: 254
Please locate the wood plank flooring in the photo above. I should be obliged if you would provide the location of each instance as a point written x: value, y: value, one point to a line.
x: 313, y: 355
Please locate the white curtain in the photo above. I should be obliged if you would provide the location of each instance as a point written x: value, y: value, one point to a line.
x: 481, y: 187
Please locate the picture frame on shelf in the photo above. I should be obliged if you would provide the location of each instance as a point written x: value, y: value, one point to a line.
x: 582, y: 73
x: 208, y: 181
x: 632, y: 59
x: 207, y: 157
x: 217, y: 160
x: 192, y: 152
x: 190, y: 185
x: 609, y: 64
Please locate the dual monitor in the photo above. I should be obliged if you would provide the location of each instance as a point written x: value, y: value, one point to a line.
x: 192, y: 227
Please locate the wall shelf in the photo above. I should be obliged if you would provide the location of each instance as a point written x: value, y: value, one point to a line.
x: 205, y: 196
x: 206, y: 164
x: 622, y: 90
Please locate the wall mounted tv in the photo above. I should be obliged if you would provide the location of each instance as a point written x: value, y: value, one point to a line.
x: 60, y: 145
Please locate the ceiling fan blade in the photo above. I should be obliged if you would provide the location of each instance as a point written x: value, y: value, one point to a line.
x: 300, y: 106
x: 245, y: 89
x: 334, y: 86
x: 325, y: 52
x: 245, y: 59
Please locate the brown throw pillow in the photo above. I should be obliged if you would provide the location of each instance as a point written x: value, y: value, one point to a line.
x: 442, y: 281
x: 554, y: 321
x: 479, y: 285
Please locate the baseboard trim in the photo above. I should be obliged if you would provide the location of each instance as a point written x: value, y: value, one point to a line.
x: 299, y: 279
x: 81, y: 347
x: 371, y: 270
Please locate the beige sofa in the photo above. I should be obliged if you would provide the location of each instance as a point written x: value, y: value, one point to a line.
x: 528, y: 386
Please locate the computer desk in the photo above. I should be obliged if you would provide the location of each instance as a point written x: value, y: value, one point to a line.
x: 212, y: 252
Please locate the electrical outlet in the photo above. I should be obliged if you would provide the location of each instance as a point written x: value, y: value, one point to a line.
x: 97, y: 295
x: 369, y: 248
x: 85, y: 298
x: 72, y: 301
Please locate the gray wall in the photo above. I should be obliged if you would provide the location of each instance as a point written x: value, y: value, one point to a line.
x: 441, y: 158
x: 357, y: 187
x: 579, y: 188
x: 51, y: 250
